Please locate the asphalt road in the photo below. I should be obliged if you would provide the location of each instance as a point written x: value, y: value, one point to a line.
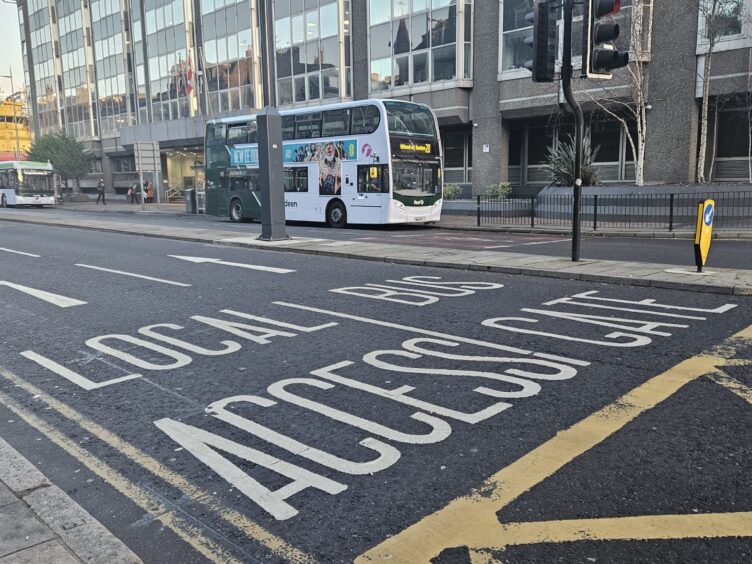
x: 725, y: 253
x: 209, y: 438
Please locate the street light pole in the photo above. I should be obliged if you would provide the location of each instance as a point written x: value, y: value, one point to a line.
x: 269, y: 123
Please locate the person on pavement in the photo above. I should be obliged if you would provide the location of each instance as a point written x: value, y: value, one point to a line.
x: 150, y: 193
x: 100, y: 192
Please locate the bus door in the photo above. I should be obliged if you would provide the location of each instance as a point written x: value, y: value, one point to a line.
x: 371, y: 195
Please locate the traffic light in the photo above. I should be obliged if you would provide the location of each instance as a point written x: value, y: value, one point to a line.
x: 599, y: 56
x: 543, y: 41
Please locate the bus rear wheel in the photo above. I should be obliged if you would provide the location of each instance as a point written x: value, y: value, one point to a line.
x: 236, y: 211
x: 3, y: 202
x: 336, y: 215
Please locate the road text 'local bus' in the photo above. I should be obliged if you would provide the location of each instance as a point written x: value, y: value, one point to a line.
x: 26, y: 183
x: 368, y: 162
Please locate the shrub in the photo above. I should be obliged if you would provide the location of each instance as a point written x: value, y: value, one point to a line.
x: 499, y: 191
x: 452, y: 192
x: 560, y: 164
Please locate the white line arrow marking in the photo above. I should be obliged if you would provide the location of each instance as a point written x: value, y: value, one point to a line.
x: 131, y: 274
x: 201, y: 260
x: 19, y: 253
x: 49, y: 297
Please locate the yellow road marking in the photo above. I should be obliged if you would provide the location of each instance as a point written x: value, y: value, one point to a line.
x: 147, y: 501
x: 471, y: 520
x: 733, y: 385
x: 275, y: 544
x: 647, y: 527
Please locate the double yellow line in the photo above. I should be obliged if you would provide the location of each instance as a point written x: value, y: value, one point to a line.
x: 181, y: 525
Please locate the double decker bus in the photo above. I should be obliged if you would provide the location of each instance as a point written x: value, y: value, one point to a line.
x: 364, y: 162
x: 26, y: 183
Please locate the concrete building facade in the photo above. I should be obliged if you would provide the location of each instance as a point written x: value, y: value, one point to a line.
x: 119, y: 72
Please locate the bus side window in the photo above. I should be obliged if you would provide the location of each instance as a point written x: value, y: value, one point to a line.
x: 288, y: 127
x: 296, y: 179
x: 252, y: 132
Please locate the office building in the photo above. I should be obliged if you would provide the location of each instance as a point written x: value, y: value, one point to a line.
x: 119, y: 72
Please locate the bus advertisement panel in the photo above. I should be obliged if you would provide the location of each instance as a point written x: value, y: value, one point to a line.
x: 342, y: 164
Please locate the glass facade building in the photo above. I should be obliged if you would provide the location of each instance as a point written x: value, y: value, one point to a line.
x: 417, y: 42
x: 42, y: 70
x: 111, y: 66
x: 313, y: 50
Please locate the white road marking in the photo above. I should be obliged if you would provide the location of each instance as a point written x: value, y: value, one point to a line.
x: 690, y: 272
x: 72, y: 376
x: 525, y: 244
x: 49, y: 297
x: 133, y: 275
x: 19, y: 253
x: 430, y: 333
x: 201, y: 260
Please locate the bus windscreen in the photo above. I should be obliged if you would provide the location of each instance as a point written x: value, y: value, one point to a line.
x: 409, y: 119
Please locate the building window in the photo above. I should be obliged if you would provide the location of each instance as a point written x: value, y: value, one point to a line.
x: 721, y: 18
x: 307, y: 38
x: 413, y: 46
x: 514, y: 52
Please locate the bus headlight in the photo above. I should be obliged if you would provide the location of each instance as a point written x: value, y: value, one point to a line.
x: 399, y: 204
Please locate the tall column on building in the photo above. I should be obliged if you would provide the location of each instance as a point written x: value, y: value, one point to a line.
x: 672, y: 125
x: 361, y: 66
x: 488, y: 167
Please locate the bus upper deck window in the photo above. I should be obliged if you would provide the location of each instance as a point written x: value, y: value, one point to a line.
x: 365, y: 120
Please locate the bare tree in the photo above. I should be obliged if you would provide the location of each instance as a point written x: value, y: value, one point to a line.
x: 634, y: 110
x: 718, y: 18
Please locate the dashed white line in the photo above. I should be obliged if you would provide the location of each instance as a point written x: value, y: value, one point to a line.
x: 133, y: 275
x: 19, y: 253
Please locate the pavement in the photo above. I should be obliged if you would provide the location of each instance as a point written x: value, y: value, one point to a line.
x: 40, y: 523
x: 716, y: 280
x: 452, y: 222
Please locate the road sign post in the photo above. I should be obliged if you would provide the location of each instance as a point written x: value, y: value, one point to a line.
x: 704, y: 232
x: 147, y: 160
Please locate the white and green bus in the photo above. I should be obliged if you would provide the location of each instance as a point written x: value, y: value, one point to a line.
x: 26, y: 183
x: 364, y: 162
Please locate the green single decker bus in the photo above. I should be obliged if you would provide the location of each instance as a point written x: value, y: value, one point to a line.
x: 364, y: 162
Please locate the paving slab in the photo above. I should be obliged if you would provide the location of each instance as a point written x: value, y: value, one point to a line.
x: 83, y: 534
x: 20, y: 529
x: 6, y: 496
x: 52, y: 552
x: 17, y: 473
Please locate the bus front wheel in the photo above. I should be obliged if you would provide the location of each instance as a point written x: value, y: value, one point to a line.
x: 236, y: 211
x: 336, y: 215
x: 3, y: 202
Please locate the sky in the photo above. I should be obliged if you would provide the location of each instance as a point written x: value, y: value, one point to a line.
x: 10, y: 48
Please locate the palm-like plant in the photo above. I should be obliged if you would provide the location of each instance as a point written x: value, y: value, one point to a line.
x: 560, y: 163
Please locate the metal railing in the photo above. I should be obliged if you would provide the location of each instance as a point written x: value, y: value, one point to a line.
x: 617, y: 211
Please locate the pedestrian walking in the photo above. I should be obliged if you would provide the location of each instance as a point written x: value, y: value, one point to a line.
x: 149, y: 193
x: 100, y: 192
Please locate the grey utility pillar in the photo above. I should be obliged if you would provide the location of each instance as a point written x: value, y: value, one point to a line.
x: 269, y: 123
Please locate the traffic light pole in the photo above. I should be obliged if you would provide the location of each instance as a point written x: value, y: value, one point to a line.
x: 566, y: 83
